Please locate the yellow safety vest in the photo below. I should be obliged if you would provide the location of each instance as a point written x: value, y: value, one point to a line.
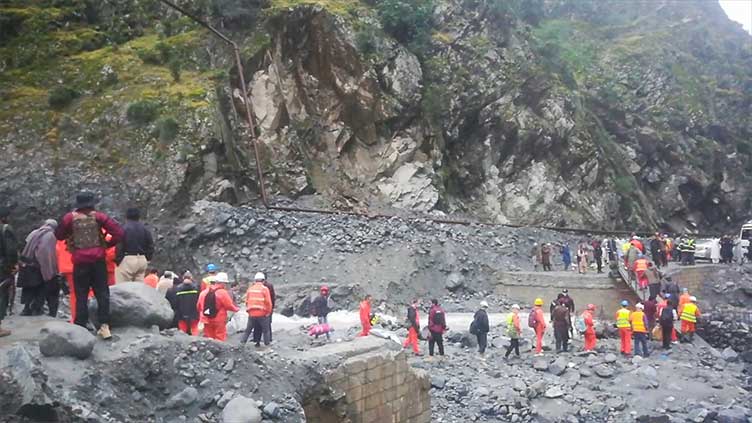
x: 622, y: 318
x: 638, y: 322
x: 689, y: 312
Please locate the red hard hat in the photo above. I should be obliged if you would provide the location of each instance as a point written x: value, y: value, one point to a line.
x: 591, y: 306
x: 324, y: 288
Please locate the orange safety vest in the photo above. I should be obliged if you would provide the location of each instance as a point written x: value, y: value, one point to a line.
x: 689, y: 313
x: 684, y: 299
x: 638, y: 322
x: 622, y: 318
x: 255, y: 300
x: 641, y: 265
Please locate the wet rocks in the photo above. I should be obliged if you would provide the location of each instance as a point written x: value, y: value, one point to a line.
x: 241, y: 410
x: 136, y: 304
x: 66, y: 339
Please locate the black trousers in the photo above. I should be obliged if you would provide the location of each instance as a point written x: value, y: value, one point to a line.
x: 436, y: 339
x: 91, y: 276
x: 259, y: 327
x: 654, y: 289
x: 562, y: 338
x: 666, y: 331
x: 482, y: 341
x: 599, y: 263
x: 515, y: 344
x: 34, y: 298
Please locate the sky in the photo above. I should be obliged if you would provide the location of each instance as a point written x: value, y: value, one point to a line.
x: 739, y: 11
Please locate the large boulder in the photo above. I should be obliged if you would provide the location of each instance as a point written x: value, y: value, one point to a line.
x: 135, y: 304
x: 27, y: 395
x: 241, y: 410
x: 66, y: 339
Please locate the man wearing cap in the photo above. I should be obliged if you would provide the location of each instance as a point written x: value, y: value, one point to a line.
x: 539, y: 326
x: 82, y: 228
x: 8, y: 265
x: 211, y: 272
x: 625, y: 328
x: 213, y: 305
x: 258, y: 303
x: 482, y: 327
x: 135, y: 251
x: 514, y: 331
x: 587, y: 318
x: 688, y: 314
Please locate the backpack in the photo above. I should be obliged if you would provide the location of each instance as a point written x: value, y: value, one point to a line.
x: 667, y: 316
x: 579, y: 324
x: 473, y: 328
x: 532, y: 319
x: 86, y: 232
x: 438, y: 318
x: 210, y: 304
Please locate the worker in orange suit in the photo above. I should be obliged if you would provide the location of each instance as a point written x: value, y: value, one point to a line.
x: 688, y: 314
x: 587, y: 317
x: 540, y: 326
x: 213, y: 305
x: 65, y: 267
x: 640, y: 267
x: 365, y: 315
x: 413, y: 319
x: 625, y: 328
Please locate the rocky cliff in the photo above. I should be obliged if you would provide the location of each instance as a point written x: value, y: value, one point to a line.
x: 609, y: 115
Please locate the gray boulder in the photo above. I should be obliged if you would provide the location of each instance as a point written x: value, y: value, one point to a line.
x: 241, y: 410
x: 136, y: 304
x: 558, y: 367
x: 454, y: 282
x: 540, y: 364
x: 27, y: 394
x: 733, y: 415
x: 272, y: 410
x: 62, y: 339
x: 729, y: 354
x: 183, y: 399
x: 604, y: 371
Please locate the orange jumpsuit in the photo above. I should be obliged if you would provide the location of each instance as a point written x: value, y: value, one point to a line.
x: 540, y: 328
x: 412, y: 335
x: 365, y: 317
x: 65, y: 267
x: 216, y: 327
x: 587, y: 316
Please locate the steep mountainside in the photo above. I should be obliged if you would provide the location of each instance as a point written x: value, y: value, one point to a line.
x: 604, y: 114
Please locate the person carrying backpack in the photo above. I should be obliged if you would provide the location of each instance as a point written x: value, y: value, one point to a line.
x: 666, y: 319
x: 82, y: 228
x: 514, y: 330
x: 537, y: 321
x: 436, y: 327
x: 213, y: 304
x: 482, y: 327
x: 8, y: 266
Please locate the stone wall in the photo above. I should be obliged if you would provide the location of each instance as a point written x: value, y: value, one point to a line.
x: 693, y: 277
x: 376, y: 387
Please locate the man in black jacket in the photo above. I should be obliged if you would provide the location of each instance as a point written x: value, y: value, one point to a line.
x: 186, y: 298
x: 273, y: 296
x: 320, y: 307
x: 480, y: 320
x: 135, y: 251
x: 8, y: 266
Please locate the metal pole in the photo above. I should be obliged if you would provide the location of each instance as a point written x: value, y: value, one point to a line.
x: 248, y: 107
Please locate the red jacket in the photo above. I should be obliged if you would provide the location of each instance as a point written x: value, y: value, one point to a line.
x: 95, y: 254
x: 638, y: 244
x: 433, y: 326
x: 365, y: 313
x: 224, y: 304
x: 64, y: 259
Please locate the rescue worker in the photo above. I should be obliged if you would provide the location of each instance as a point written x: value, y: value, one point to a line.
x: 562, y: 325
x: 640, y: 268
x: 83, y: 229
x: 669, y: 248
x: 320, y: 308
x: 666, y: 317
x: 109, y: 260
x: 436, y: 327
x: 684, y: 298
x: 213, y: 304
x: 186, y: 299
x: 639, y: 323
x: 688, y: 314
x: 413, y: 323
x: 152, y: 278
x: 625, y: 329
x: 258, y: 303
x: 540, y: 326
x: 587, y: 317
x: 365, y: 318
x: 637, y: 244
x: 651, y: 311
x: 65, y: 267
x: 665, y: 303
x: 482, y: 327
x: 514, y: 331
x: 211, y: 272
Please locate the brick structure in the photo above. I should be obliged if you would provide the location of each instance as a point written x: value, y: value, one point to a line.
x: 375, y: 387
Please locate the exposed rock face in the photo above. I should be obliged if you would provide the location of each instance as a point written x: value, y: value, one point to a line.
x: 555, y: 113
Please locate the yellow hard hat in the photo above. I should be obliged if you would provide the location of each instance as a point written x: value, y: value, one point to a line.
x: 539, y: 301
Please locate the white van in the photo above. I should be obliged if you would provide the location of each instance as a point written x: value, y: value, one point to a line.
x: 745, y: 238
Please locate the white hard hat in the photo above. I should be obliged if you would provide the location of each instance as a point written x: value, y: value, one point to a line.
x: 484, y: 304
x: 259, y: 277
x: 516, y: 306
x: 693, y: 298
x: 640, y: 306
x: 221, y: 277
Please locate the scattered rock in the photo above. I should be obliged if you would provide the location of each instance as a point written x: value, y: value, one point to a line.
x: 272, y: 410
x: 241, y: 410
x: 729, y: 354
x: 184, y: 398
x: 733, y: 415
x: 558, y: 367
x: 438, y: 382
x: 66, y: 339
x: 454, y: 282
x: 604, y: 371
x: 540, y: 364
x: 136, y: 304
x: 554, y: 392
